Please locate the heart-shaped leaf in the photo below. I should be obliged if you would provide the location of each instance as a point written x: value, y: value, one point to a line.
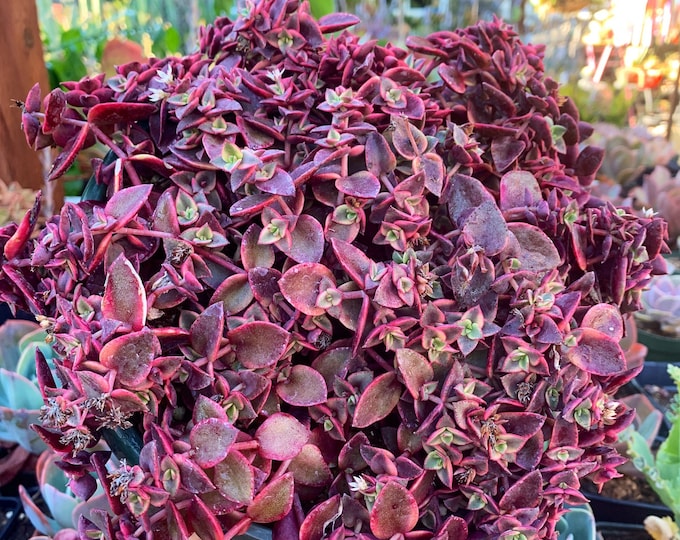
x: 234, y: 293
x: 124, y: 297
x: 281, y: 437
x: 274, y: 500
x: 466, y: 194
x: 415, y: 369
x: 303, y: 387
x: 596, y: 353
x: 258, y: 343
x: 235, y: 479
x: 124, y: 204
x: 306, y: 241
x: 300, y: 286
x: 131, y: 356
x: 211, y: 439
x: 207, y: 408
x: 206, y: 331
x: 377, y: 400
x: 395, y: 511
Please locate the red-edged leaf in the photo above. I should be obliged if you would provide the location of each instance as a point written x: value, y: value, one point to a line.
x: 235, y: 478
x: 519, y: 189
x: 115, y: 113
x: 234, y: 293
x: 125, y: 204
x: 394, y: 512
x: 281, y: 437
x: 300, y: 286
x: 68, y: 155
x: 258, y: 343
x: 451, y: 75
x: 353, y: 260
x: 454, y: 527
x: 606, y: 318
x: 379, y: 157
x: 274, y: 500
x: 211, y: 439
x: 377, y: 400
x: 124, y: 297
x: 315, y: 524
x: 362, y: 184
x: 307, y: 241
x: 537, y: 252
x: 254, y: 254
x: 206, y: 331
x: 335, y: 22
x: 32, y: 103
x: 55, y: 104
x: 407, y: 139
x: 304, y: 387
x: 596, y: 353
x: 309, y: 468
x: 202, y: 521
x: 415, y: 369
x: 332, y: 363
x: 526, y: 493
x: 432, y: 167
x: 131, y: 356
x: 207, y: 408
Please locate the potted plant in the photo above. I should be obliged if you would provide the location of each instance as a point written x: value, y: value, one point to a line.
x: 659, y: 324
x: 335, y: 288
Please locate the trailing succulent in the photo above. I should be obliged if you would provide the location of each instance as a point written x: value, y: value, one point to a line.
x: 347, y: 289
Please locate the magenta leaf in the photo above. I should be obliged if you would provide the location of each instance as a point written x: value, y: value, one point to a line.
x: 234, y: 478
x: 415, y: 369
x: 68, y: 155
x: 309, y: 468
x: 258, y: 343
x: 202, y: 521
x: 605, y: 318
x: 55, y: 104
x: 303, y: 387
x: 207, y: 408
x: 505, y: 151
x: 234, y: 293
x: 281, y: 437
x: 537, y: 252
x: 596, y: 353
x: 211, y: 439
x: 526, y: 493
x: 466, y: 194
x: 124, y: 204
x: 335, y: 22
x: 394, y: 512
x: 317, y: 519
x: 485, y: 227
x: 307, y: 241
x: 253, y: 253
x: 379, y: 157
x: 377, y: 400
x: 131, y: 356
x: 353, y: 260
x: 362, y: 184
x: 432, y: 167
x: 124, y: 297
x: 300, y: 286
x: 274, y: 500
x: 206, y: 331
x: 115, y: 113
x: 408, y: 140
x: 519, y: 189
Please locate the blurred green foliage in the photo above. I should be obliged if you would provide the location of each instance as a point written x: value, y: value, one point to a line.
x: 601, y: 103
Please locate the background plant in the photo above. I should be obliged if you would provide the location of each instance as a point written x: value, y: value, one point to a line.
x: 339, y: 287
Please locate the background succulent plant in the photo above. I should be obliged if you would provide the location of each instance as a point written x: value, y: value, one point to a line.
x: 346, y: 289
x: 661, y: 306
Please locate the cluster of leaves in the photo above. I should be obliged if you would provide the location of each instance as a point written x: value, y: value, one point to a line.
x: 348, y: 289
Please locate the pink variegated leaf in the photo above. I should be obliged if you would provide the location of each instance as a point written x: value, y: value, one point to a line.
x: 131, y: 356
x: 432, y: 167
x: 235, y: 294
x: 303, y: 387
x: 595, y: 352
x: 126, y: 203
x: 362, y: 184
x: 202, y: 521
x: 258, y: 343
x: 377, y: 401
x: 274, y: 500
x: 210, y: 440
x: 317, y: 519
x: 394, y: 512
x: 281, y: 437
x: 124, y: 297
x: 68, y: 155
x: 300, y: 286
x: 206, y: 331
x: 415, y: 369
x: 309, y: 467
x: 306, y: 243
x: 606, y: 318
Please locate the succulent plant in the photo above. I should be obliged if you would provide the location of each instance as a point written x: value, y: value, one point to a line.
x: 65, y: 506
x: 345, y: 289
x: 577, y: 523
x: 661, y: 306
x: 20, y: 395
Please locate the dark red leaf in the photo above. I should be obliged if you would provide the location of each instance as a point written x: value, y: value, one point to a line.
x: 300, y: 286
x: 258, y: 344
x: 377, y: 401
x: 394, y: 511
x: 124, y: 297
x: 104, y: 114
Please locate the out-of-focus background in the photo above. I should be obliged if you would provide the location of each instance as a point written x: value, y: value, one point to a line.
x: 617, y: 58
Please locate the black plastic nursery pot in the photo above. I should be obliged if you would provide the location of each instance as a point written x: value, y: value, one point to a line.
x: 10, y: 509
x: 611, y: 510
x: 621, y: 531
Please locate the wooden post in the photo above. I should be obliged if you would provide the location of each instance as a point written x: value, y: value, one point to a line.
x: 21, y: 67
